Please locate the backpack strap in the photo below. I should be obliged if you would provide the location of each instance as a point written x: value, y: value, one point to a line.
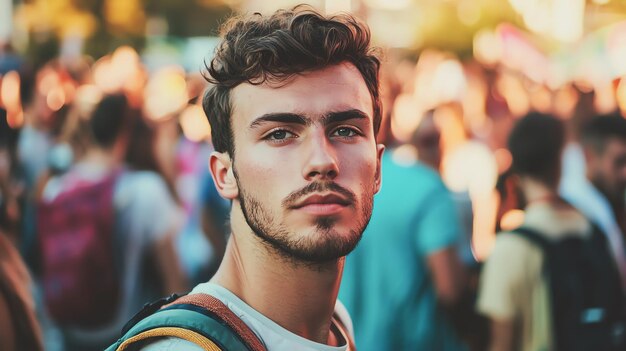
x: 219, y: 309
x: 533, y: 236
x: 199, y: 318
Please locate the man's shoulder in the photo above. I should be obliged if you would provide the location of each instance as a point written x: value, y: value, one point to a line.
x: 342, y: 322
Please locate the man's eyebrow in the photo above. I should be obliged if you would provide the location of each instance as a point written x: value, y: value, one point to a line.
x: 281, y: 117
x: 295, y: 118
x: 341, y: 116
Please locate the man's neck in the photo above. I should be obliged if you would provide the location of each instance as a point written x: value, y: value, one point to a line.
x: 536, y: 192
x: 300, y: 298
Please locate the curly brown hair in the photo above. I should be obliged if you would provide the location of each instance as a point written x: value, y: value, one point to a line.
x: 257, y: 49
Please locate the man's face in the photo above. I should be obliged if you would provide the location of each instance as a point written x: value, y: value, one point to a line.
x: 306, y: 162
x: 607, y: 170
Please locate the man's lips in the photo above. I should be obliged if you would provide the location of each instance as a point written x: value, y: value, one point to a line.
x: 323, y: 204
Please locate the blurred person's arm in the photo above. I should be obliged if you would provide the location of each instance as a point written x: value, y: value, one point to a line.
x: 19, y: 327
x: 161, y: 219
x: 501, y: 335
x: 448, y: 275
x: 437, y: 234
x: 213, y: 232
x: 499, y: 293
x: 168, y: 262
x: 214, y: 218
x: 6, y: 324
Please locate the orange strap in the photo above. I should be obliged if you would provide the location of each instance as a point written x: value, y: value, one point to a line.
x: 216, y: 306
x: 251, y: 340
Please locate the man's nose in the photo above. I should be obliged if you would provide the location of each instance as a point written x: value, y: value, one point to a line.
x: 320, y: 159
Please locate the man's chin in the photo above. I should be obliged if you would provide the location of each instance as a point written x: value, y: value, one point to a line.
x: 324, y: 246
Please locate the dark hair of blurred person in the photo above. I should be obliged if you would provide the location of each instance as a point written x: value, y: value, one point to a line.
x: 141, y: 148
x: 109, y: 120
x: 427, y: 140
x: 536, y: 143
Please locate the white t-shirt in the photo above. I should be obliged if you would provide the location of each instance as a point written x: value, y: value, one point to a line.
x: 272, y: 335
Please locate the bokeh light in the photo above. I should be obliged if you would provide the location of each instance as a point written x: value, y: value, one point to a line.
x: 512, y: 219
x: 165, y: 93
x: 10, y: 99
x: 194, y: 123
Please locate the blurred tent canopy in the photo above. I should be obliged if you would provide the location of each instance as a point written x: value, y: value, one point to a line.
x: 98, y: 26
x: 103, y: 25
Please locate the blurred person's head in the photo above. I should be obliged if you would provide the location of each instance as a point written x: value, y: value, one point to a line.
x: 536, y: 144
x: 76, y: 131
x: 140, y: 154
x: 294, y: 112
x: 427, y: 140
x: 109, y: 121
x: 141, y: 151
x: 27, y: 85
x: 604, y: 142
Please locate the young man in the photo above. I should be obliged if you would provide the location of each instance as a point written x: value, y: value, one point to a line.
x: 294, y: 111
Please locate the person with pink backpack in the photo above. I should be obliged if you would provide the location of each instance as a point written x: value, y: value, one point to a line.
x: 103, y: 229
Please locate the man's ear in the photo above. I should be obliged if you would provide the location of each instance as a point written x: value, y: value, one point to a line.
x: 380, y: 149
x: 221, y: 168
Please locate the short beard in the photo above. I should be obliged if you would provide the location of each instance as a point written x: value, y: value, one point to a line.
x: 326, y: 245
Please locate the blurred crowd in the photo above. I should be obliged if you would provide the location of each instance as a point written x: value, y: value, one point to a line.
x: 96, y: 167
x: 115, y: 155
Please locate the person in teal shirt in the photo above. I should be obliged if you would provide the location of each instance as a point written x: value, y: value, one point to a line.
x: 405, y: 270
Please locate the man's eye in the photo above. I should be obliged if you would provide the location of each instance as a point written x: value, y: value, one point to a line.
x: 280, y: 134
x: 344, y: 132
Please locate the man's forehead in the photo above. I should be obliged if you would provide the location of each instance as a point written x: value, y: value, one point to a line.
x: 333, y: 88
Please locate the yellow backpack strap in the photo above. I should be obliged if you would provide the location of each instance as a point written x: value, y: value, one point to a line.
x: 186, y: 334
